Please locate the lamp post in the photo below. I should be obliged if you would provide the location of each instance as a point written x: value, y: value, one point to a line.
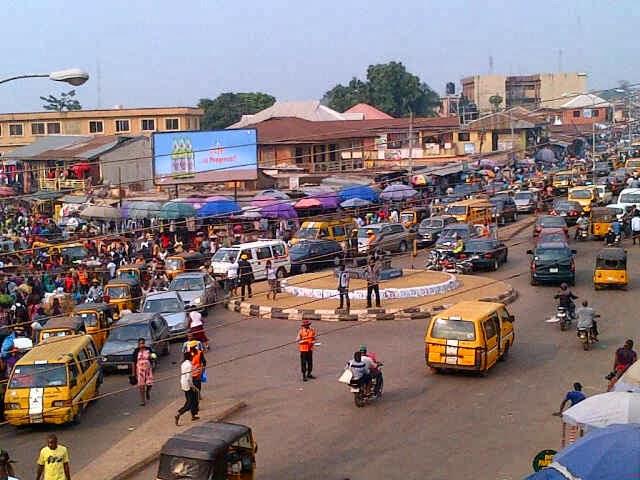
x: 72, y: 76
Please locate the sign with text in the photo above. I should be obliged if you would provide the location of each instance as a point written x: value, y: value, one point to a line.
x: 543, y: 459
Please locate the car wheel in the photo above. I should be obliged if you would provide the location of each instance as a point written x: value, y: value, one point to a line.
x: 572, y: 282
x: 533, y: 282
x: 515, y: 217
x: 77, y: 418
x: 281, y: 273
x: 303, y: 268
x: 496, y: 264
x: 167, y: 349
x: 505, y: 354
x: 403, y: 246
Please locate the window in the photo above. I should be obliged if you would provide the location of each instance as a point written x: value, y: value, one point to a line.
x: 96, y: 126
x: 464, y: 136
x: 324, y: 233
x: 37, y: 129
x: 278, y: 250
x: 15, y: 129
x: 576, y: 114
x: 247, y: 253
x: 263, y: 253
x: 91, y: 351
x: 148, y: 124
x: 490, y: 330
x: 73, y: 371
x: 53, y: 128
x: 338, y: 231
x: 122, y: 125
x: 595, y: 112
x: 171, y: 124
x: 83, y: 361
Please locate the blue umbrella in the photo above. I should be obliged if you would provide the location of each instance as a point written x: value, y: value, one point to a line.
x: 355, y: 202
x: 363, y: 192
x: 279, y: 210
x: 219, y: 208
x: 175, y: 210
x: 398, y: 192
x: 547, y: 474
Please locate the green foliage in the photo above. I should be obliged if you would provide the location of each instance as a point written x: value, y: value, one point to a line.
x: 390, y: 88
x: 66, y: 101
x: 495, y: 101
x: 227, y: 108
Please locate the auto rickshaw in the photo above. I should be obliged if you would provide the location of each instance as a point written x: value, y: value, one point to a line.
x: 600, y: 219
x: 611, y: 268
x: 97, y: 319
x: 61, y: 327
x: 123, y: 295
x: 212, y: 450
x: 139, y: 272
x: 412, y: 217
x: 183, y: 262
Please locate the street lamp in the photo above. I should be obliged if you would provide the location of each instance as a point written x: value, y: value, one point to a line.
x: 72, y: 76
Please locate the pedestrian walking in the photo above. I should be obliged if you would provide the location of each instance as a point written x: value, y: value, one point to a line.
x: 53, y: 461
x: 189, y: 389
x: 306, y: 338
x: 372, y: 274
x: 245, y: 273
x: 232, y: 279
x: 343, y: 287
x: 635, y: 227
x: 572, y: 397
x: 198, y: 364
x: 272, y: 278
x: 142, y: 370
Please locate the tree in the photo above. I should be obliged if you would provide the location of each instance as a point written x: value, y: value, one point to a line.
x: 227, y: 108
x: 390, y: 88
x: 495, y: 101
x: 65, y: 101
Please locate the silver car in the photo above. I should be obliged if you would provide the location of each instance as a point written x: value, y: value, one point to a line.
x: 393, y: 237
x: 197, y: 290
x: 172, y: 308
x: 526, y: 201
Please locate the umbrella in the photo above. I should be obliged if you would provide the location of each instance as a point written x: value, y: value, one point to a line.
x: 308, y: 203
x: 214, y: 198
x: 279, y: 210
x: 219, y: 208
x: 327, y: 199
x: 140, y: 209
x: 605, y: 409
x: 7, y: 191
x: 270, y: 192
x: 175, y: 209
x: 248, y: 213
x: 608, y: 453
x: 630, y: 380
x: 545, y: 155
x: 101, y: 212
x: 397, y: 192
x: 547, y: 474
x: 419, y: 180
x: 355, y: 202
x: 264, y: 200
x: 363, y: 192
x: 80, y: 169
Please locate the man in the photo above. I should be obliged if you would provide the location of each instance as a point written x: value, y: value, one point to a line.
x: 372, y: 275
x: 343, y: 287
x: 53, y: 461
x: 6, y: 467
x: 581, y: 223
x: 458, y: 247
x: 186, y: 385
x: 624, y: 358
x: 359, y: 369
x: 245, y: 272
x: 635, y: 227
x: 306, y: 338
x: 610, y: 237
x: 94, y: 294
x: 573, y: 397
x: 587, y: 319
x: 374, y: 369
x: 565, y: 299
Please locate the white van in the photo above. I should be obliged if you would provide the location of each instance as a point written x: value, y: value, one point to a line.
x: 629, y: 197
x: 257, y: 253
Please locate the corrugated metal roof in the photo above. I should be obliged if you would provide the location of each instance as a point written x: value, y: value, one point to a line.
x: 45, y: 143
x: 82, y: 148
x: 310, y: 110
x: 586, y: 100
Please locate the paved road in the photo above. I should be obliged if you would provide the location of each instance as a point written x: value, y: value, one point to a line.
x: 427, y: 426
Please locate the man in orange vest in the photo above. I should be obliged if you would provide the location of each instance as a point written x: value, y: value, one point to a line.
x: 306, y: 338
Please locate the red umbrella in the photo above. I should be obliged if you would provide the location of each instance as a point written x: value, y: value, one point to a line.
x: 308, y: 203
x: 80, y: 169
x: 6, y: 191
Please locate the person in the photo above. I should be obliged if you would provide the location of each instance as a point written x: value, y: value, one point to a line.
x: 372, y: 275
x: 353, y: 247
x: 94, y: 294
x: 371, y: 241
x: 616, y: 226
x: 359, y: 369
x: 610, y: 238
x: 587, y: 319
x: 343, y: 287
x: 232, y: 279
x: 246, y: 275
x: 198, y: 364
x: 306, y: 338
x: 581, y: 223
x: 196, y: 328
x: 53, y: 461
x: 6, y: 466
x: 394, y: 216
x: 272, y: 278
x: 186, y: 385
x: 142, y: 370
x: 374, y: 368
x: 635, y: 227
x: 573, y: 397
x: 458, y: 247
x: 565, y: 299
x: 625, y: 357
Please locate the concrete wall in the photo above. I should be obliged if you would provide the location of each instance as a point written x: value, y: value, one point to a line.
x: 134, y: 160
x: 555, y: 85
x: 568, y: 117
x: 479, y: 88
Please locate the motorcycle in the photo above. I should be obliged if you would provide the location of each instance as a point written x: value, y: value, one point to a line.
x: 586, y: 336
x: 564, y: 317
x: 363, y: 393
x: 583, y: 233
x: 616, y: 241
x: 445, y: 261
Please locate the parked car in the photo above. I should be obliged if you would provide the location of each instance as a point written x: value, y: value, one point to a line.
x: 549, y: 221
x: 496, y: 187
x: 448, y: 235
x: 430, y: 228
x: 197, y: 290
x: 504, y: 209
x: 526, y: 201
x: 604, y: 195
x: 552, y: 263
x: 568, y: 209
x: 485, y: 253
x: 123, y: 340
x: 393, y: 237
x: 601, y: 169
x: 315, y: 254
x: 172, y: 308
x: 553, y: 235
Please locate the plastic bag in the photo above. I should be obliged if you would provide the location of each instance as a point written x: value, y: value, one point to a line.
x: 346, y: 376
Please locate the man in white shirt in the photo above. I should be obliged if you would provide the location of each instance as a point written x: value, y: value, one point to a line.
x: 190, y: 392
x: 635, y: 227
x: 343, y: 287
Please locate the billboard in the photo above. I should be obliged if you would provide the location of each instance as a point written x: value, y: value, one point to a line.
x: 204, y: 156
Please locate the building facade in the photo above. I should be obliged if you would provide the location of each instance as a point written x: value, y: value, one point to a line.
x: 20, y: 129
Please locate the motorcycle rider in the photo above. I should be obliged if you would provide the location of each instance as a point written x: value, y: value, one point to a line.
x: 587, y: 319
x: 581, y: 224
x: 610, y: 238
x: 374, y: 370
x: 94, y: 295
x: 458, y: 247
x: 359, y: 369
x: 565, y: 299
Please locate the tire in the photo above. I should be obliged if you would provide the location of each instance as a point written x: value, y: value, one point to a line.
x: 563, y: 325
x: 303, y: 268
x: 77, y: 418
x: 515, y: 217
x: 167, y: 350
x: 496, y: 265
x: 381, y: 387
x: 358, y: 399
x: 572, y: 282
x: 533, y: 282
x: 586, y: 345
x: 403, y: 246
x: 281, y: 273
x: 505, y: 354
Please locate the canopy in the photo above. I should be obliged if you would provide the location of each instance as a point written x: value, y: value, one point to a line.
x: 270, y: 192
x: 264, y: 200
x: 80, y: 169
x: 175, y: 209
x: 545, y: 155
x: 219, y: 208
x: 140, y: 209
x: 279, y: 210
x: 398, y: 192
x: 605, y: 409
x: 630, y: 380
x: 7, y: 191
x: 354, y: 203
x: 248, y: 213
x: 101, y: 212
x: 308, y: 203
x: 363, y: 192
x: 214, y: 198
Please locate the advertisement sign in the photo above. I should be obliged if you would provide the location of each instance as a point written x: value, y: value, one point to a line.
x: 543, y: 459
x: 205, y: 156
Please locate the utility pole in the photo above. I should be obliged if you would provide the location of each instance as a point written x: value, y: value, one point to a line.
x: 410, y: 143
x: 629, y: 114
x: 119, y: 187
x: 593, y: 143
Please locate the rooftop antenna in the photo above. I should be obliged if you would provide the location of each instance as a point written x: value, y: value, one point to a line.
x: 559, y: 60
x: 490, y: 64
x: 98, y: 85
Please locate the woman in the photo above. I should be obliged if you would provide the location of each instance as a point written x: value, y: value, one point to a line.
x: 142, y: 370
x: 196, y: 329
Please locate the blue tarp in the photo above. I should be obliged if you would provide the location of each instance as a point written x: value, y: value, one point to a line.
x: 358, y: 191
x: 219, y: 208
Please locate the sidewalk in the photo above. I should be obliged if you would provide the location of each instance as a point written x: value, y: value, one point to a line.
x: 142, y: 446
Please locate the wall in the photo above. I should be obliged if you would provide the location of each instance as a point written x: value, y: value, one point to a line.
x: 135, y: 167
x: 479, y: 88
x: 553, y: 86
x: 569, y: 119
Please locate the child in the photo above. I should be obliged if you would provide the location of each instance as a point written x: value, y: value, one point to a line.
x: 272, y: 279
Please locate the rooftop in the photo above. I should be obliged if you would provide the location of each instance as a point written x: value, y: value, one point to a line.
x: 586, y: 100
x: 368, y: 112
x: 105, y: 112
x: 68, y: 147
x: 310, y: 110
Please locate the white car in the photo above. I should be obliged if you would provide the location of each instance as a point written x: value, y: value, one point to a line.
x: 629, y: 197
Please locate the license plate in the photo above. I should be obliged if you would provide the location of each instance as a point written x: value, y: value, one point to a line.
x: 451, y: 360
x: 354, y: 390
x: 122, y: 367
x: 553, y: 270
x: 563, y: 214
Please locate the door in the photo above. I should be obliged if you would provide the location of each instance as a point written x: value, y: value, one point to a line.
x: 210, y: 291
x: 506, y: 329
x: 494, y: 141
x: 262, y: 254
x: 490, y: 330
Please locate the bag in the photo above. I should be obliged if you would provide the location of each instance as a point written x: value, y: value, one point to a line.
x: 346, y: 376
x: 203, y: 377
x: 133, y: 379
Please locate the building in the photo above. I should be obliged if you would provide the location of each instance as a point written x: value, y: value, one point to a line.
x: 368, y: 112
x: 311, y: 110
x: 20, y: 129
x: 585, y: 109
x: 531, y: 91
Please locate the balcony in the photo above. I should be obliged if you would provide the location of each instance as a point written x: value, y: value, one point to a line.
x: 59, y: 184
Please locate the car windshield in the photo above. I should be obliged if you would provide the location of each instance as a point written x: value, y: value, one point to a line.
x: 226, y: 255
x: 564, y: 205
x: 89, y: 319
x: 552, y: 222
x: 186, y: 284
x: 478, y: 245
x: 162, y: 305
x: 129, y: 333
x: 300, y: 249
x: 551, y: 254
x: 362, y: 232
x: 553, y: 237
x: 75, y: 252
x: 450, y: 329
x: 117, y: 292
x: 173, y: 263
x: 449, y: 233
x: 432, y: 223
x: 307, y: 233
x: 581, y: 194
x: 39, y: 376
x: 456, y: 210
x: 523, y: 196
x: 629, y: 198
x: 564, y: 177
x: 127, y: 275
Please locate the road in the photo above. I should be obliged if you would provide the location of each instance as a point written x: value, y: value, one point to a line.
x: 426, y: 426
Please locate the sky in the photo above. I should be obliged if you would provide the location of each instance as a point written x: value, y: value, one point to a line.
x: 166, y: 53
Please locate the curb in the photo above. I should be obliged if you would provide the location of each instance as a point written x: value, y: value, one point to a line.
x: 152, y: 457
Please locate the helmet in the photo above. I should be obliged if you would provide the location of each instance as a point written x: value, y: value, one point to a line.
x: 243, y: 256
x: 564, y: 286
x: 363, y: 348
